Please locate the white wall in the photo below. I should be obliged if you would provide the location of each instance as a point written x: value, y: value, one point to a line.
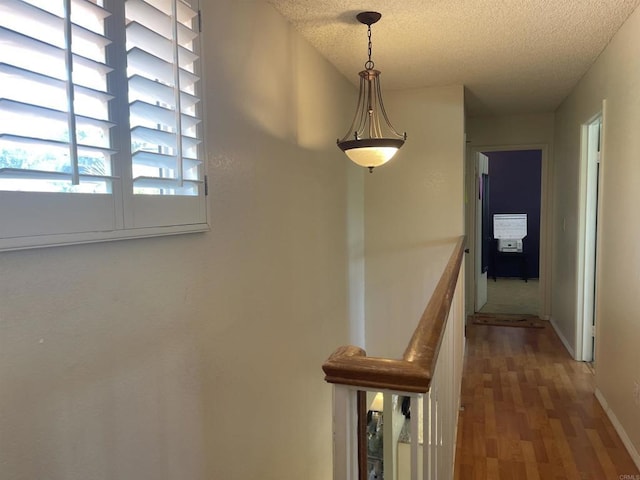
x: 198, y: 356
x: 615, y: 77
x: 526, y: 129
x: 413, y: 214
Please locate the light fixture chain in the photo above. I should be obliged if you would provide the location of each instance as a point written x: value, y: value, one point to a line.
x: 369, y: 64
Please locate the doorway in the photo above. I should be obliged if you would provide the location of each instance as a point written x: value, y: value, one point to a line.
x: 509, y: 195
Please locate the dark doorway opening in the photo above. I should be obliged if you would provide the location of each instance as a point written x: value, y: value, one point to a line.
x: 515, y: 179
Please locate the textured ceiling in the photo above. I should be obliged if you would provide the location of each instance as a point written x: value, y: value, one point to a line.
x: 513, y: 56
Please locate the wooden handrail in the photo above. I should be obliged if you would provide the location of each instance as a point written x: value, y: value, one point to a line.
x: 350, y: 365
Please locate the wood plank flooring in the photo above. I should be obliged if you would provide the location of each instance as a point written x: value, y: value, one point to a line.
x: 529, y: 412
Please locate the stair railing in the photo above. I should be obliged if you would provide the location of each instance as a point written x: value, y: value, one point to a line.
x: 397, y: 419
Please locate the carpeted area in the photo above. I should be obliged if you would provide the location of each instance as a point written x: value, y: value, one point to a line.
x: 512, y: 295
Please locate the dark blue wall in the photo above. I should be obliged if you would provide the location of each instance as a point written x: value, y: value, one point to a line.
x: 514, y: 178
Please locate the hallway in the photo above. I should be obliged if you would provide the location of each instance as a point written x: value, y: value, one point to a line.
x: 529, y: 412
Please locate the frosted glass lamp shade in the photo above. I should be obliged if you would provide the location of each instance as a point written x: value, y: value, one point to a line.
x: 371, y: 152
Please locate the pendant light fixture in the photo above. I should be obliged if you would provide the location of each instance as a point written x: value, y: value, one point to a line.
x: 371, y: 140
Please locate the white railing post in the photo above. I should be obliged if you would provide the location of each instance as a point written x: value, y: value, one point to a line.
x: 415, y: 437
x: 345, y: 433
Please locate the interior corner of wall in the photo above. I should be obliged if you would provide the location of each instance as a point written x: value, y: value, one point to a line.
x: 562, y: 338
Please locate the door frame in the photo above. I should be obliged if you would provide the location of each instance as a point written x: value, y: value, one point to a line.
x: 590, y: 214
x: 545, y: 222
x: 481, y: 164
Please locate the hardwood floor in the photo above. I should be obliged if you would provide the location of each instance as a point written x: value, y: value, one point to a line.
x: 529, y: 412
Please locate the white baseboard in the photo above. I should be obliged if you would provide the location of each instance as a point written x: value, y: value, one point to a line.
x: 635, y: 456
x: 562, y: 338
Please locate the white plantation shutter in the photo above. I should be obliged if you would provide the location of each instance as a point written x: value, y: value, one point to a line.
x: 54, y: 123
x: 71, y: 71
x: 162, y: 81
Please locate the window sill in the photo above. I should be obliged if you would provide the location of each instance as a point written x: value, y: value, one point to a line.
x: 44, y: 241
